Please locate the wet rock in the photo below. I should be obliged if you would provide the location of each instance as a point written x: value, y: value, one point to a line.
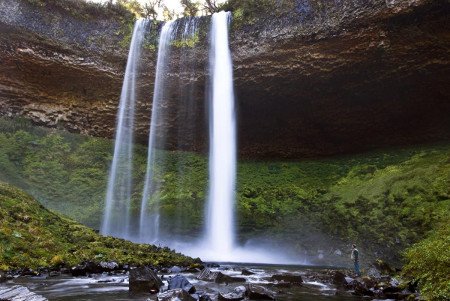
x: 237, y: 294
x: 19, y: 293
x: 180, y: 281
x: 291, y: 278
x: 109, y: 266
x: 2, y: 276
x: 246, y: 272
x: 218, y: 277
x: 28, y: 272
x: 257, y: 292
x: 175, y: 269
x: 85, y: 268
x: 361, y: 289
x: 176, y: 294
x: 54, y: 274
x: 339, y: 279
x: 144, y: 280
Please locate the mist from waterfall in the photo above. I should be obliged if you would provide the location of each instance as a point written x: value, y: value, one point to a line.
x: 149, y: 215
x: 116, y: 219
x: 220, y: 232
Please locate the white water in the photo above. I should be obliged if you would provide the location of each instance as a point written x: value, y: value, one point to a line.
x: 116, y: 219
x: 220, y: 232
x: 149, y: 216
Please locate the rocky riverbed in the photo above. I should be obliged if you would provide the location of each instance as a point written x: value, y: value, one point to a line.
x: 210, y: 282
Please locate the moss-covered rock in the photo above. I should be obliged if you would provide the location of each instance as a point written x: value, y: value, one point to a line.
x: 32, y: 236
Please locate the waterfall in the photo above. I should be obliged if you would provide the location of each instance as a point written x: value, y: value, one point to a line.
x: 149, y: 216
x: 116, y: 219
x: 222, y: 158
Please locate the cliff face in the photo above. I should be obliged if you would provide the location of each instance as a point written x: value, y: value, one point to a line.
x: 318, y: 80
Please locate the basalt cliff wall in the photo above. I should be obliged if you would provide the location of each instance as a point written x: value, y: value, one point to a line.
x: 340, y: 77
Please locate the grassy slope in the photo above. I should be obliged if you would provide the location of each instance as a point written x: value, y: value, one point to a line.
x: 32, y: 236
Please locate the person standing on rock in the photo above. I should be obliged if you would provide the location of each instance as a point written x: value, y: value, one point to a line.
x: 355, y: 258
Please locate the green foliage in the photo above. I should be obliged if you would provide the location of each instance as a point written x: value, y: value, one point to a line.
x: 384, y: 201
x: 31, y: 236
x: 428, y: 262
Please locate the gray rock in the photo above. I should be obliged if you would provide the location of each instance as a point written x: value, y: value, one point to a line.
x: 218, y: 277
x: 237, y: 294
x: 19, y: 293
x: 180, y: 281
x: 257, y: 292
x: 291, y: 278
x: 144, y: 280
x: 2, y: 277
x: 176, y: 294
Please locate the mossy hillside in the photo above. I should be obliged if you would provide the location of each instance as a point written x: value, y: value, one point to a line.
x: 428, y: 262
x: 383, y: 200
x: 32, y: 236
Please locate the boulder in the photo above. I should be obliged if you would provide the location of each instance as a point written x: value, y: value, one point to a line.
x: 257, y: 292
x: 176, y: 294
x: 237, y: 294
x: 175, y: 269
x: 19, y: 293
x: 246, y: 272
x: 85, y: 268
x: 179, y: 281
x: 109, y: 266
x: 144, y: 280
x: 218, y: 277
x: 360, y: 289
x: 2, y: 276
x: 339, y: 279
x: 291, y: 278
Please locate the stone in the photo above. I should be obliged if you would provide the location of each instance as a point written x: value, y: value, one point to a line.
x: 85, y: 268
x: 257, y: 292
x: 339, y: 279
x: 109, y: 266
x: 19, y: 293
x: 246, y: 272
x: 218, y: 277
x: 237, y: 294
x: 180, y: 281
x: 3, y: 276
x: 175, y: 269
x: 144, y: 280
x: 291, y: 278
x: 175, y: 295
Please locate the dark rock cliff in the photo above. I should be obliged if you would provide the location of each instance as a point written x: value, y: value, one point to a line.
x: 345, y: 76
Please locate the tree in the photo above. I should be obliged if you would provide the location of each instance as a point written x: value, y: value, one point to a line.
x: 191, y: 8
x: 151, y: 8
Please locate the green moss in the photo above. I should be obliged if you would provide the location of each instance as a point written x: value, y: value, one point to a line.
x: 428, y: 262
x: 383, y: 200
x: 189, y: 43
x: 32, y: 236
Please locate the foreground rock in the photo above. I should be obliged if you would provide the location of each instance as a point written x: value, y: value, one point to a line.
x: 180, y: 281
x: 257, y: 292
x: 237, y: 294
x: 144, y: 280
x: 19, y: 293
x: 288, y: 278
x: 176, y: 294
x: 218, y: 277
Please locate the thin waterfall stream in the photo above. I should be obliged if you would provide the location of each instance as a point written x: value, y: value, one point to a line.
x: 149, y: 215
x: 116, y: 219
